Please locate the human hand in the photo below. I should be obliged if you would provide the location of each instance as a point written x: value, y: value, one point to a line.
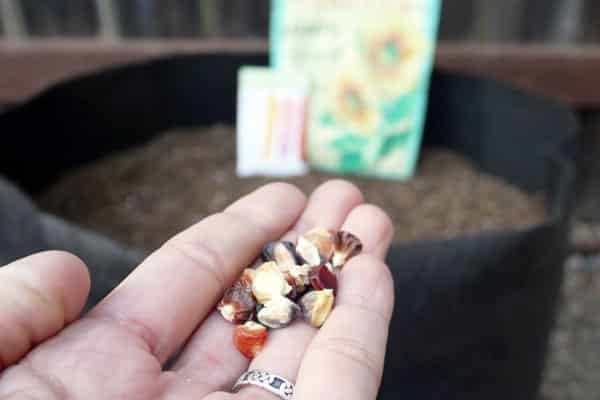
x: 166, y: 308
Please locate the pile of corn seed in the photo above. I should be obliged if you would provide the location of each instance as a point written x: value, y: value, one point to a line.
x: 289, y: 281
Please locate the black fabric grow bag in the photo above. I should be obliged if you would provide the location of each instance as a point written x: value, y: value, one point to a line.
x: 472, y: 314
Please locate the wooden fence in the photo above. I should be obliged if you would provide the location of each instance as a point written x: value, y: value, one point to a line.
x: 556, y: 21
x: 545, y: 45
x: 22, y: 19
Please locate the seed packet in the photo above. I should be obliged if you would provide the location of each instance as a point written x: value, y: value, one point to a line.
x: 369, y: 63
x: 271, y: 122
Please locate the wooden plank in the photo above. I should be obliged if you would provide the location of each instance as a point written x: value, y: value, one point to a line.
x: 108, y: 20
x: 12, y: 19
x: 64, y: 18
x: 566, y: 73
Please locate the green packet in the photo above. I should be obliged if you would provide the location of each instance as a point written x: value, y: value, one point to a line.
x: 369, y: 64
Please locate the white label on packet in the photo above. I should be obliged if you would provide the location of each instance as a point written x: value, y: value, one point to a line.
x: 271, y: 123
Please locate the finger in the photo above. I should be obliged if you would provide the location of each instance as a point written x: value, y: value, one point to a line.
x: 165, y: 298
x: 39, y: 295
x: 345, y: 359
x: 286, y: 347
x: 210, y: 360
x: 373, y: 227
x: 212, y: 343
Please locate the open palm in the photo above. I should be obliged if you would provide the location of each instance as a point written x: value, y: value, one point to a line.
x: 164, y: 311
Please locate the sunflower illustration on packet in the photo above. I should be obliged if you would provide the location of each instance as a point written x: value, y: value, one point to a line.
x: 354, y: 104
x: 369, y: 65
x: 395, y: 56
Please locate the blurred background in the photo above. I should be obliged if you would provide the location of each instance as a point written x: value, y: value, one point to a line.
x: 544, y: 45
x: 550, y: 47
x: 558, y: 21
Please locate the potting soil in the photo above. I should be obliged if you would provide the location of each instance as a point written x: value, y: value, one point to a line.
x: 144, y: 195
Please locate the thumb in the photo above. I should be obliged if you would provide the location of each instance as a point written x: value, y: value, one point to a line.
x: 39, y: 295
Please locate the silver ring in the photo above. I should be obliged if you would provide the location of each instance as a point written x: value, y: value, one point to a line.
x: 275, y: 384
